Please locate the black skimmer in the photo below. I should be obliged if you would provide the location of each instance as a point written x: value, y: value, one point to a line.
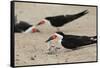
x: 72, y: 41
x: 60, y: 20
x: 24, y: 27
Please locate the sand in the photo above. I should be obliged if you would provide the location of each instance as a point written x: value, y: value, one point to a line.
x: 31, y: 49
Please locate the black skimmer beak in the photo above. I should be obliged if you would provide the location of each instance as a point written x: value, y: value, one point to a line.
x: 51, y: 38
x: 35, y: 30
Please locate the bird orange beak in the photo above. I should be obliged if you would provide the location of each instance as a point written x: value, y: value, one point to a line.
x: 35, y: 30
x: 41, y: 22
x: 51, y: 38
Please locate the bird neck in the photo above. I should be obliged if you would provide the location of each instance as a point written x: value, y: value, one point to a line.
x: 59, y: 37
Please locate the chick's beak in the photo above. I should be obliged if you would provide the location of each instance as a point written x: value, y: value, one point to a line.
x: 51, y: 38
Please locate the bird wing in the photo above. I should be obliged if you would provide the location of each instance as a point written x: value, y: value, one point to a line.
x: 23, y: 25
x: 57, y: 21
x: 78, y: 40
x: 72, y: 17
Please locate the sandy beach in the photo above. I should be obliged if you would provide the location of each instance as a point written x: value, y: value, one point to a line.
x: 31, y: 49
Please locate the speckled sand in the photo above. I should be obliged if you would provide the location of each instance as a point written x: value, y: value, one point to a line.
x: 31, y: 49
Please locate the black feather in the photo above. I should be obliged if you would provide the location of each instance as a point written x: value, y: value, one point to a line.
x: 60, y: 20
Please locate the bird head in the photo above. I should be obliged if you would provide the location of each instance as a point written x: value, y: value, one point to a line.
x: 51, y: 38
x: 41, y: 22
x: 56, y: 36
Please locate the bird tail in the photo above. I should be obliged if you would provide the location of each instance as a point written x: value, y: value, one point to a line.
x: 93, y: 39
x: 90, y: 40
x: 75, y: 16
x: 81, y: 13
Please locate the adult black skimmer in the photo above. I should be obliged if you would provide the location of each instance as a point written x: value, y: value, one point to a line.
x: 60, y: 20
x: 72, y: 41
x: 25, y: 28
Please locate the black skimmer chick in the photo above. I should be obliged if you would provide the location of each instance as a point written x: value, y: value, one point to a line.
x: 60, y: 20
x: 72, y: 41
x: 24, y: 27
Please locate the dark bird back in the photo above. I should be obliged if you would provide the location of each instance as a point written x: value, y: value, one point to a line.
x: 60, y: 20
x: 22, y: 26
